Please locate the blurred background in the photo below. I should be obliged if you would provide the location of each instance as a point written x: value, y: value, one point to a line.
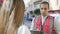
x: 32, y: 9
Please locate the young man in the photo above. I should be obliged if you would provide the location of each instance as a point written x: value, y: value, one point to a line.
x: 44, y: 23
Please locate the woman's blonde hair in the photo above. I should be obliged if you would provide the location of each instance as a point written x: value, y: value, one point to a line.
x: 13, y: 18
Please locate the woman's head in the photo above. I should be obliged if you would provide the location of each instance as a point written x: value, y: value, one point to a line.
x: 16, y: 16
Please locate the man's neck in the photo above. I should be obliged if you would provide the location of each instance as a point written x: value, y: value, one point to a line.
x: 44, y: 16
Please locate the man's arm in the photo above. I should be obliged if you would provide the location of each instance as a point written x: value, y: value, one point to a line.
x: 32, y: 25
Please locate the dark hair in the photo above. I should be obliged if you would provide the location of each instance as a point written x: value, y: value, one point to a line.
x: 45, y: 2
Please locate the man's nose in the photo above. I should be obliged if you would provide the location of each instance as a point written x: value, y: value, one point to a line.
x: 43, y: 10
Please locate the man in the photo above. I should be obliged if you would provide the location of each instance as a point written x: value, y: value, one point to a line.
x: 44, y: 23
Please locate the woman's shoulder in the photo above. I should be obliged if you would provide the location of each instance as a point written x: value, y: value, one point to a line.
x: 22, y: 26
x: 23, y: 29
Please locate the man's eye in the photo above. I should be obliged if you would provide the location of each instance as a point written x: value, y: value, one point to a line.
x: 45, y: 8
x: 41, y: 8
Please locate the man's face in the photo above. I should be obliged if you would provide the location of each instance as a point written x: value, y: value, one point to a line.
x: 44, y: 9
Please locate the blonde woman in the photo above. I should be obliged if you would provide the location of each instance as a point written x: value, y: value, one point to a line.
x: 14, y: 20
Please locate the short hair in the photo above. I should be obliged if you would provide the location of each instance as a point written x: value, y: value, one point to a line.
x: 45, y: 2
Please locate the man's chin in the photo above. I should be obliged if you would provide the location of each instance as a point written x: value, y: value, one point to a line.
x: 44, y: 15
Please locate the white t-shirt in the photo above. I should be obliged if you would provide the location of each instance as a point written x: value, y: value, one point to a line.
x: 43, y: 19
x: 23, y: 29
